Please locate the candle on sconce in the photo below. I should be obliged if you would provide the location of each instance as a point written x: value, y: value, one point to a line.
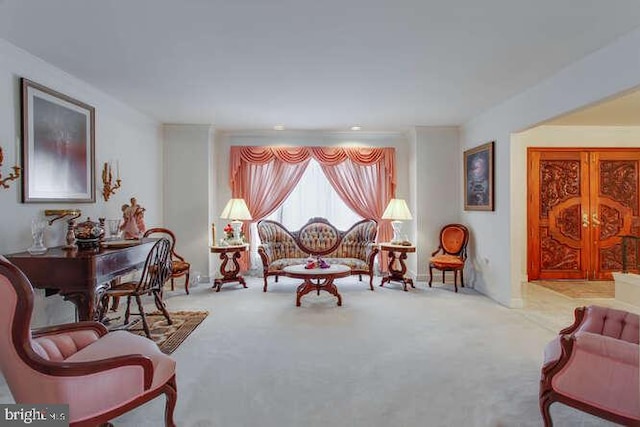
x: 117, y: 169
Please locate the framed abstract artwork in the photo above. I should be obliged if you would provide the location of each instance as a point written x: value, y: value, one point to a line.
x: 478, y: 178
x: 58, y: 146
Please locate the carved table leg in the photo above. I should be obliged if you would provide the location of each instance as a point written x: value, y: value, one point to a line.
x: 397, y: 275
x: 88, y: 303
x: 309, y: 286
x: 229, y: 273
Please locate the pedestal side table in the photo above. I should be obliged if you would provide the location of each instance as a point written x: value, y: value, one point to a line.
x: 397, y: 274
x: 326, y: 275
x: 229, y: 273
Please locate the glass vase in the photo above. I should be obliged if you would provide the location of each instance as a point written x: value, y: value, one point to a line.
x: 38, y: 227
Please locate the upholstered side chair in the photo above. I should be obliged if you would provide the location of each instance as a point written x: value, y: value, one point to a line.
x: 451, y: 253
x: 179, y: 267
x: 100, y: 375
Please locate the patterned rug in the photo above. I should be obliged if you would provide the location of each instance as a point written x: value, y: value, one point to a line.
x: 169, y: 337
x: 581, y: 290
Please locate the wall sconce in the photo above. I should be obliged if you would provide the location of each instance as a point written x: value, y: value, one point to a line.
x: 12, y: 176
x: 108, y: 189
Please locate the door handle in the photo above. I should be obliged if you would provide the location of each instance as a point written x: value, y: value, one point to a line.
x: 585, y: 220
x: 595, y: 220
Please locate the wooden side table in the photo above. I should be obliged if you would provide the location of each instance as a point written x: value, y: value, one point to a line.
x: 229, y: 273
x: 397, y: 275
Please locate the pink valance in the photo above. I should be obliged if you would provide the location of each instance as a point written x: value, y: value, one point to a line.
x: 326, y: 156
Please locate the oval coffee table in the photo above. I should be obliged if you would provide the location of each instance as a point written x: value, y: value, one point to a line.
x: 326, y: 275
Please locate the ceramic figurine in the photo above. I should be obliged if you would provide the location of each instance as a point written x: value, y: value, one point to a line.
x: 322, y: 263
x: 133, y: 220
x: 311, y: 263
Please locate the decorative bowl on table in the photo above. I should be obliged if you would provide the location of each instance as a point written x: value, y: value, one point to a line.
x: 88, y: 234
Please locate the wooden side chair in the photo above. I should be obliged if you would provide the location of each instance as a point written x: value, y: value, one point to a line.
x: 179, y: 267
x: 99, y: 374
x: 451, y: 253
x: 156, y: 271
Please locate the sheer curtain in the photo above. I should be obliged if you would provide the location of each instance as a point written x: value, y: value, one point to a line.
x: 314, y: 197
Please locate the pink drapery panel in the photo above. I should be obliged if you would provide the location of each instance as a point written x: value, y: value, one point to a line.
x: 364, y: 177
x: 263, y: 185
x: 366, y: 189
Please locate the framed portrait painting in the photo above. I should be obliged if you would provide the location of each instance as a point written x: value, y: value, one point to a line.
x: 58, y: 147
x: 478, y: 178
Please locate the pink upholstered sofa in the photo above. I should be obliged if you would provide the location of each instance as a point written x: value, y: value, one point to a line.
x: 593, y: 366
x: 355, y: 248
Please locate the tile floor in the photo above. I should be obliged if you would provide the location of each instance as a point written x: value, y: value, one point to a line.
x: 554, y: 311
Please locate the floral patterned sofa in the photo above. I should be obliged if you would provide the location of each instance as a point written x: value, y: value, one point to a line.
x: 355, y: 248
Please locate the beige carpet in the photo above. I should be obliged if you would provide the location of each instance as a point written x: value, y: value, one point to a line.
x: 426, y: 357
x: 580, y: 289
x: 169, y: 337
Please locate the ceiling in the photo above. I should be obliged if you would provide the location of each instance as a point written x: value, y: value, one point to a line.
x: 330, y: 64
x: 622, y: 110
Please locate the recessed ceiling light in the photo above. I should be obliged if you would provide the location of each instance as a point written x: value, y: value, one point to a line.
x: 355, y: 128
x: 278, y: 127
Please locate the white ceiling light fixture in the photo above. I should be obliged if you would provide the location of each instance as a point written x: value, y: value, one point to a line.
x: 278, y: 127
x: 356, y: 127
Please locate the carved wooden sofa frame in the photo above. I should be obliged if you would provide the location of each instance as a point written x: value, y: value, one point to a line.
x: 354, y: 247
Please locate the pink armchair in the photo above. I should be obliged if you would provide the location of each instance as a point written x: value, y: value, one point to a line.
x: 100, y: 375
x: 593, y: 366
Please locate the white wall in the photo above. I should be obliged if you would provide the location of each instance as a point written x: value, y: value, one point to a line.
x: 554, y: 136
x: 186, y: 193
x: 121, y: 133
x: 437, y: 190
x: 604, y: 73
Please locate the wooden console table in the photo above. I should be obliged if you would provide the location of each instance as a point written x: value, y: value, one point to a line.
x: 229, y: 273
x: 81, y: 276
x: 328, y: 275
x: 397, y: 275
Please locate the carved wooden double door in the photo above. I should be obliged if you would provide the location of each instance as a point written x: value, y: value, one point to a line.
x: 579, y: 204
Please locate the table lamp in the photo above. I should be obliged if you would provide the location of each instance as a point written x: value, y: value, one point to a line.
x: 236, y: 210
x: 396, y: 211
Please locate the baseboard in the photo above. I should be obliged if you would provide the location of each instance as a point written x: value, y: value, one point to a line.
x: 516, y: 303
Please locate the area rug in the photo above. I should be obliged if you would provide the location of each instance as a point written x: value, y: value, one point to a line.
x: 169, y: 337
x: 581, y: 290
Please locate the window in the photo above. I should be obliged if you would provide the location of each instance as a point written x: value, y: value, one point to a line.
x: 314, y: 197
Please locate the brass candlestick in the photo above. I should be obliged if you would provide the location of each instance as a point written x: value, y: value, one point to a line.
x: 108, y: 188
x: 12, y: 176
x: 70, y: 238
